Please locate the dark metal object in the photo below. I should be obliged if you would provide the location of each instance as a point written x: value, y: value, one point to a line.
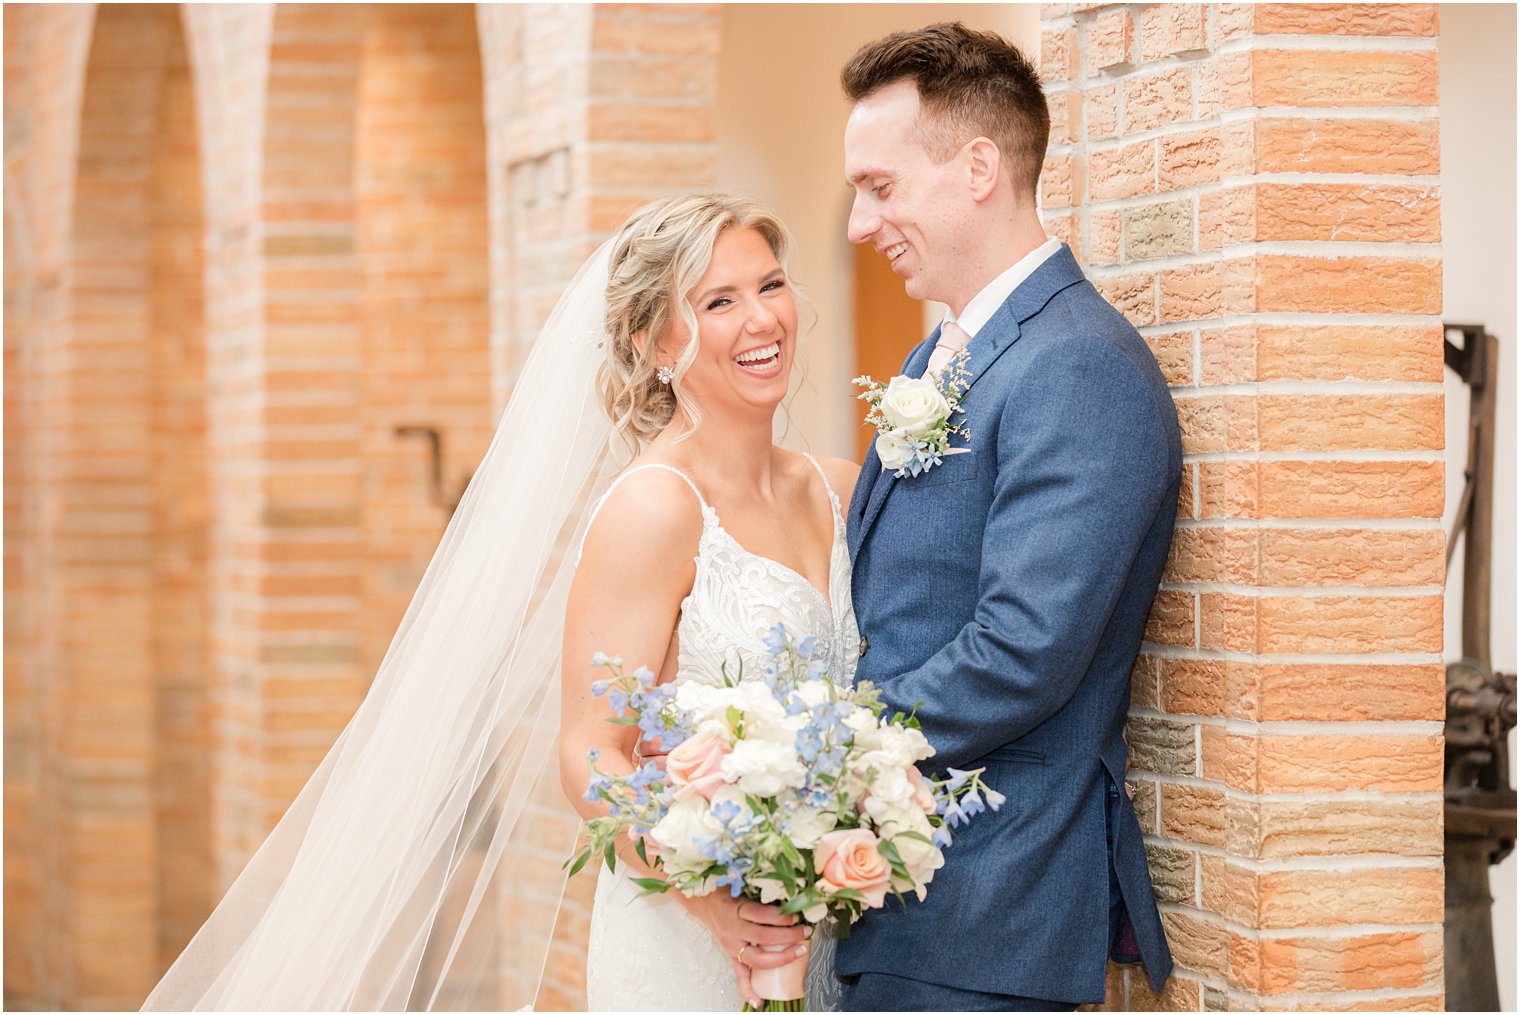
x: 434, y: 439
x: 1480, y: 706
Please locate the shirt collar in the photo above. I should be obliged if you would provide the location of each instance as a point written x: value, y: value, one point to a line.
x: 985, y: 303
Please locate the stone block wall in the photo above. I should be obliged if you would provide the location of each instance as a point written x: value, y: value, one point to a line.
x: 1256, y: 187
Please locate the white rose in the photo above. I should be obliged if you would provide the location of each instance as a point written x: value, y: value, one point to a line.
x: 891, y: 782
x: 759, y: 702
x: 780, y: 732
x: 921, y: 858
x: 904, y: 745
x: 706, y: 701
x: 913, y: 404
x: 677, y: 832
x: 884, y: 811
x: 763, y: 767
x: 892, y: 449
x: 806, y: 825
x: 866, y: 729
x: 815, y: 692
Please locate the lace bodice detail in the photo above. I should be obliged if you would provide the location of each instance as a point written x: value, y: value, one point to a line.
x: 647, y: 954
x: 737, y: 596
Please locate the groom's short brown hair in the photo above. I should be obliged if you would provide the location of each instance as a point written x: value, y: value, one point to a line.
x: 970, y: 83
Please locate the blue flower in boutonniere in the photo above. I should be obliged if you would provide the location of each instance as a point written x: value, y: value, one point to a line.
x: 912, y: 417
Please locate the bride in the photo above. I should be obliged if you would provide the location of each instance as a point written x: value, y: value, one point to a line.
x: 723, y: 535
x: 412, y: 870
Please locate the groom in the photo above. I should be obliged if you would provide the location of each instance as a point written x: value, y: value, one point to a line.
x: 1003, y: 594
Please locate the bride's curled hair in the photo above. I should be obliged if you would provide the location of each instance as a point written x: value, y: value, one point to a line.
x: 657, y: 258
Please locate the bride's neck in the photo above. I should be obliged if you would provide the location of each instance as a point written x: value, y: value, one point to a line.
x: 737, y: 453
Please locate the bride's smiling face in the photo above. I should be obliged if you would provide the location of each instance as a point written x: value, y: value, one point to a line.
x: 746, y: 327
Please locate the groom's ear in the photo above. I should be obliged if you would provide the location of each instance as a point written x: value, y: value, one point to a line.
x: 984, y: 167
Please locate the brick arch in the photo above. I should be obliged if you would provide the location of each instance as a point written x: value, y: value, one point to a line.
x: 127, y: 653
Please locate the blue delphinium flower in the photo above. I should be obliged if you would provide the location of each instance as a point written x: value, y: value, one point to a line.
x: 651, y: 724
x: 617, y: 700
x: 733, y: 881
x: 941, y: 837
x: 775, y: 640
x: 957, y: 779
x: 725, y: 811
x: 713, y: 849
x: 645, y: 775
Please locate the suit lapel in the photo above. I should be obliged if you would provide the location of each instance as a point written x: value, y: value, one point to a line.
x: 1060, y: 271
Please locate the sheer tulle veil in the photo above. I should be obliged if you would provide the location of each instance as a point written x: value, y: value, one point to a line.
x: 383, y: 886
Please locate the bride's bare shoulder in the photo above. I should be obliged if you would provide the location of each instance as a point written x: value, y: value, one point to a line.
x: 842, y: 474
x: 650, y: 515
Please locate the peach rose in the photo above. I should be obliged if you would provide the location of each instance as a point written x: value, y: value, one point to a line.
x: 923, y: 793
x: 849, y: 859
x: 695, y: 765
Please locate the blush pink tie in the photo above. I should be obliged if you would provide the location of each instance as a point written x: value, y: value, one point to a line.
x: 952, y: 339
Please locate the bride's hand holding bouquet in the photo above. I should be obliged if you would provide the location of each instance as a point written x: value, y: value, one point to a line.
x: 784, y: 788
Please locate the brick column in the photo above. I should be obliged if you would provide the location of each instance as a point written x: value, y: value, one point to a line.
x: 46, y: 50
x: 229, y: 53
x: 1256, y: 188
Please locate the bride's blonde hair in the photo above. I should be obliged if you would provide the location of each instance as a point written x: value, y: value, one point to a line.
x: 658, y: 256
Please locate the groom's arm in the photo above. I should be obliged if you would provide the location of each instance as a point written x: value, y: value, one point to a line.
x: 1083, y: 471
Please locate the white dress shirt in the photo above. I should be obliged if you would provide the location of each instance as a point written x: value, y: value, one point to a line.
x: 985, y: 303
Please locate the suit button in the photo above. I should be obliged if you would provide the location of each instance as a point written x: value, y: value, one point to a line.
x: 865, y: 646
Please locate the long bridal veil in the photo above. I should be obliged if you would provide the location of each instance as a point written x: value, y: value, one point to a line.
x: 385, y: 885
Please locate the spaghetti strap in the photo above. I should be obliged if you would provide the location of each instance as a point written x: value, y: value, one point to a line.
x: 596, y: 509
x: 833, y: 497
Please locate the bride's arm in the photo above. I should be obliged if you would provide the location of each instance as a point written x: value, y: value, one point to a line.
x: 637, y: 565
x: 635, y: 568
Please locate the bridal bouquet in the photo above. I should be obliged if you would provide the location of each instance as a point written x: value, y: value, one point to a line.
x: 781, y: 787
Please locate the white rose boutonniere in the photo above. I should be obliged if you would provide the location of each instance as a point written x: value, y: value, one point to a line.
x: 912, y: 417
x: 913, y: 405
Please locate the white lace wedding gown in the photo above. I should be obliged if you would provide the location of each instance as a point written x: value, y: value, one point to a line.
x: 649, y: 954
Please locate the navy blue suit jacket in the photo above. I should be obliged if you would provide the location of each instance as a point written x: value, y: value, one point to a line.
x: 1004, y: 593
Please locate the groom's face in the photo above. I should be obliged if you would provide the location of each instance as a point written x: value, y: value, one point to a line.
x: 907, y: 207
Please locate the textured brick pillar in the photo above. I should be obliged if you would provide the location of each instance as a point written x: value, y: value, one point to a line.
x: 592, y: 110
x: 1256, y: 188
x: 46, y: 49
x: 106, y: 773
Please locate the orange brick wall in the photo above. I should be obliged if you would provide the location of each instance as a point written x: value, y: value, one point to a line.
x: 1256, y: 187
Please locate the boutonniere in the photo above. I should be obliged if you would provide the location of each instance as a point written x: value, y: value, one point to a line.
x: 912, y: 417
